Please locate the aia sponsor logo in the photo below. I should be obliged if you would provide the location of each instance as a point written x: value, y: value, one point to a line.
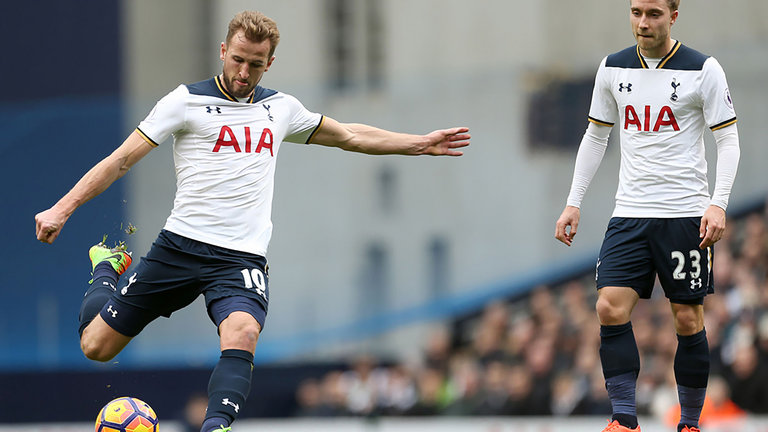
x: 228, y: 141
x: 643, y: 120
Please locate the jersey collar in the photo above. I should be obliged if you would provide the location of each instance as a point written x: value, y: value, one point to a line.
x: 227, y: 95
x: 664, y: 59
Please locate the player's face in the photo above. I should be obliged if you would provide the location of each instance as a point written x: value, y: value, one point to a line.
x: 245, y: 62
x: 651, y: 24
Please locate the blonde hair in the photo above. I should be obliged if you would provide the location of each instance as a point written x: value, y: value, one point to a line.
x: 256, y: 27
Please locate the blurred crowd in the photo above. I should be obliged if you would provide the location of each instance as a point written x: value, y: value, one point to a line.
x: 538, y: 355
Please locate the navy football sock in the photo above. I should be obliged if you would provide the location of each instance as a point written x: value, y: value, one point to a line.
x: 101, y: 289
x: 228, y: 387
x: 104, y: 269
x: 621, y: 390
x: 621, y: 364
x: 692, y: 375
x: 691, y: 402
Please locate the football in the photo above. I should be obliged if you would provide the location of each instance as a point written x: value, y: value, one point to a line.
x: 127, y: 414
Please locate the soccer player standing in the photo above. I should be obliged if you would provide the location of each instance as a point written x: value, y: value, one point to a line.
x: 661, y: 95
x: 227, y: 132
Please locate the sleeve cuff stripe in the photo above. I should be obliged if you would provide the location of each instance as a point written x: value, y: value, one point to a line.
x: 599, y: 122
x: 146, y: 138
x: 724, y: 124
x: 317, y: 128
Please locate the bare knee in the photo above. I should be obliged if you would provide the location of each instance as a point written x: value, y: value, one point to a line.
x: 94, y: 350
x: 243, y: 337
x: 609, y: 313
x: 614, y: 305
x: 100, y: 342
x: 689, y: 319
x: 239, y: 331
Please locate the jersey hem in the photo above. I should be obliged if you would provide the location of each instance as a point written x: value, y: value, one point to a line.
x: 214, y: 242
x: 656, y: 215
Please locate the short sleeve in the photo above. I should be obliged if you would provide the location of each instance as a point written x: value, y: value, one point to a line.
x: 302, y: 124
x: 716, y: 99
x: 603, y: 109
x: 166, y: 117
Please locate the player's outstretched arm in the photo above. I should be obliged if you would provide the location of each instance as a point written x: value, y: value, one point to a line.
x: 569, y: 218
x: 370, y: 140
x: 48, y: 223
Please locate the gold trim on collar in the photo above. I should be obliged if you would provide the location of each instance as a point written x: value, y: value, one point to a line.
x: 663, y: 60
x: 224, y: 90
x: 669, y: 55
x: 640, y: 56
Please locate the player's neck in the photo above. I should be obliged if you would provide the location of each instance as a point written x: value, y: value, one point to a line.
x: 660, y: 51
x: 226, y: 87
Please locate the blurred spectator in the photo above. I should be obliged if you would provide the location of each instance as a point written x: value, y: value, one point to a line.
x: 539, y: 359
x: 194, y: 412
x: 567, y: 392
x: 309, y: 399
x: 719, y: 410
x: 520, y: 336
x: 494, y: 394
x: 437, y: 354
x: 333, y: 394
x: 595, y: 401
x: 520, y: 389
x: 362, y: 384
x: 715, y: 319
x: 491, y: 333
x: 762, y: 336
x: 750, y: 377
x: 431, y: 393
x: 464, y: 386
x: 663, y: 396
x: 398, y: 394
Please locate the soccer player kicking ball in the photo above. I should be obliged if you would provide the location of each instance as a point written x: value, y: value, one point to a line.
x: 661, y: 95
x: 227, y: 133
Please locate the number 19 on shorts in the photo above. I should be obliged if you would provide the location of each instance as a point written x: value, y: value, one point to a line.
x: 254, y: 279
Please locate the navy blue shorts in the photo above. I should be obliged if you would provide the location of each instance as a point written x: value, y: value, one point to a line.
x: 636, y: 250
x: 176, y: 271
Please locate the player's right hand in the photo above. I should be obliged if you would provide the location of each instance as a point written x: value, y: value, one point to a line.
x: 444, y: 142
x: 48, y: 225
x: 569, y: 218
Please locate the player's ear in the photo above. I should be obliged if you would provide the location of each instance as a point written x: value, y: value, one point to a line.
x: 674, y: 17
x: 269, y: 63
x: 223, y: 52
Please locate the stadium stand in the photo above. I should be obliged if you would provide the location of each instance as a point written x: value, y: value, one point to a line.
x: 536, y: 354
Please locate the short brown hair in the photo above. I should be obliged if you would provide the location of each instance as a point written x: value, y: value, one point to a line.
x: 256, y: 27
x: 673, y: 4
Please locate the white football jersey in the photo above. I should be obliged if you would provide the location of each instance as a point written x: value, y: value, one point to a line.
x: 662, y: 114
x: 225, y: 151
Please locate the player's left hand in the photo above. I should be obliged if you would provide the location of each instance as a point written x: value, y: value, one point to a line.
x: 443, y: 142
x: 568, y: 219
x: 712, y: 226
